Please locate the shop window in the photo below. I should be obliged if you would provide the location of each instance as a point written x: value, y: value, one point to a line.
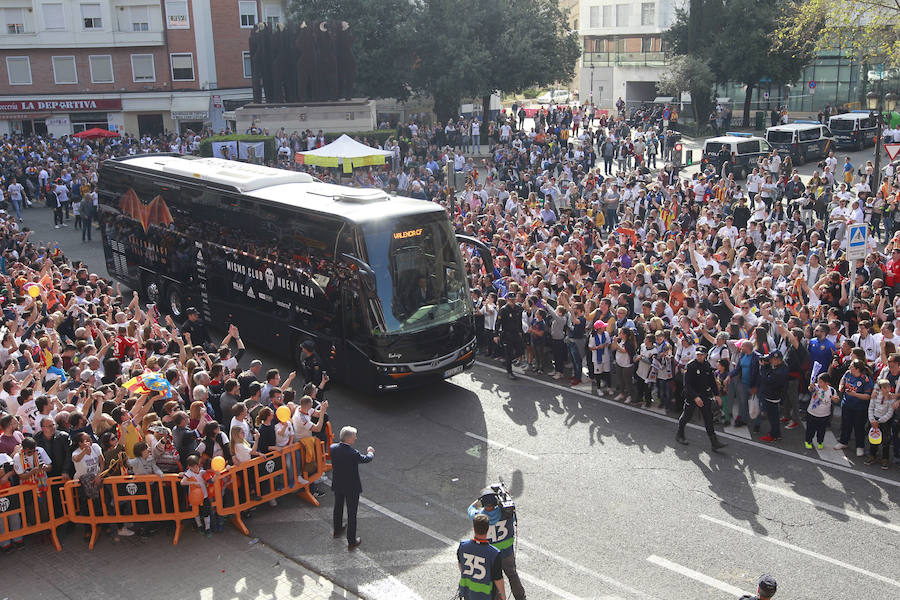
x: 646, y: 44
x: 85, y: 121
x: 54, y: 17
x: 14, y: 19
x: 101, y: 68
x: 177, y: 14
x: 142, y: 68
x: 648, y: 14
x: 90, y: 16
x: 64, y: 70
x: 248, y: 14
x: 182, y: 67
x: 19, y: 70
x: 245, y: 55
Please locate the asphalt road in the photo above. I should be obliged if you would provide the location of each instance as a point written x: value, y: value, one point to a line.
x: 609, y: 507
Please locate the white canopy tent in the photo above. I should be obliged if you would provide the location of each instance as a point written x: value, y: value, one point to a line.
x: 345, y: 152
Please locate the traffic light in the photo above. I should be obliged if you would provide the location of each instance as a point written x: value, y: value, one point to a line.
x: 689, y: 157
x: 676, y: 159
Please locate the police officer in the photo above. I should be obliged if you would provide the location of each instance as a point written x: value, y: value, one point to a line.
x: 501, y: 534
x: 766, y: 589
x: 699, y: 390
x: 480, y: 565
x: 509, y: 331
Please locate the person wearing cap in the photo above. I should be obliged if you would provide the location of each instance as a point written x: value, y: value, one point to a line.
x: 765, y: 589
x: 773, y: 380
x: 501, y: 535
x: 197, y: 328
x: 700, y: 388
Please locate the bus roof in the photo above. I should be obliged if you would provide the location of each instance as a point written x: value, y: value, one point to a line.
x: 280, y: 186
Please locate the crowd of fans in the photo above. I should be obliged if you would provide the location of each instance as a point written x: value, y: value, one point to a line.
x: 616, y: 266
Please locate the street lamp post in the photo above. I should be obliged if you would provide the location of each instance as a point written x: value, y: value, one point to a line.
x: 875, y: 102
x: 591, y: 93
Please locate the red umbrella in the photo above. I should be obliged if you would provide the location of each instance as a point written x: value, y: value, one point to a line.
x: 96, y: 132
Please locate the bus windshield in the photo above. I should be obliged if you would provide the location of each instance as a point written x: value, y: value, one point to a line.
x: 841, y: 124
x: 419, y: 272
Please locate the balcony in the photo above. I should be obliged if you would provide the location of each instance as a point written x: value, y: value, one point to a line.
x: 625, y: 59
x: 82, y: 39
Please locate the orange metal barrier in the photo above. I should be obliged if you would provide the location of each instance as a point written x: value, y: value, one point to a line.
x: 330, y: 434
x: 24, y: 510
x: 238, y: 489
x: 131, y: 499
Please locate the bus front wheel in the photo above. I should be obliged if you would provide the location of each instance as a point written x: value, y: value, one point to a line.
x: 175, y: 300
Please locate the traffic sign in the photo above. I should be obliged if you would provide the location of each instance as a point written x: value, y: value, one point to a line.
x: 766, y: 95
x: 857, y: 238
x: 892, y: 150
x: 812, y: 85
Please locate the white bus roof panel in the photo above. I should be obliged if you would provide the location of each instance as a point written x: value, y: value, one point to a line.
x: 246, y: 177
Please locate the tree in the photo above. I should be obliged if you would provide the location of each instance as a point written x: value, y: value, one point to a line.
x: 688, y: 74
x: 734, y: 36
x: 384, y: 40
x: 476, y: 47
x: 869, y: 29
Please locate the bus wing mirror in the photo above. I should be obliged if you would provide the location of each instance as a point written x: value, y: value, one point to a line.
x: 481, y: 248
x: 367, y: 275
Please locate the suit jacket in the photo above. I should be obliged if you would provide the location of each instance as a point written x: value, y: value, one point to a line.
x: 58, y: 448
x: 345, y: 461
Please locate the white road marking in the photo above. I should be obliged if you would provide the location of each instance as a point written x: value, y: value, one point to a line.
x: 696, y: 576
x: 741, y: 432
x: 750, y: 442
x: 557, y: 592
x: 800, y: 550
x: 634, y: 593
x: 829, y: 507
x: 501, y: 446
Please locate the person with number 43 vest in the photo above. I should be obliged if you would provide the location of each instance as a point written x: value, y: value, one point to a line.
x: 480, y: 565
x: 501, y: 533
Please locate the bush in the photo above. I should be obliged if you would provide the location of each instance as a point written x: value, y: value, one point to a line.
x: 206, y: 145
x: 531, y: 93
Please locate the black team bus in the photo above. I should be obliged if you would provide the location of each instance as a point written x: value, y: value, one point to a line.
x: 376, y: 280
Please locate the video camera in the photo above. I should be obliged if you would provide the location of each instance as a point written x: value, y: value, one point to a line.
x: 498, y: 495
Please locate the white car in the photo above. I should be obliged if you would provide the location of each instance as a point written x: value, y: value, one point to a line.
x: 554, y: 97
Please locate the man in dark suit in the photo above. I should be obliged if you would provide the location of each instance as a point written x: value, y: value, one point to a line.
x: 345, y: 461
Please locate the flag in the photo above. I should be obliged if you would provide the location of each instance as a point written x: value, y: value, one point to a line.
x: 137, y: 384
x: 157, y: 384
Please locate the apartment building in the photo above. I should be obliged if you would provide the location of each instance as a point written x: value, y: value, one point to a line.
x: 135, y: 66
x: 623, y: 50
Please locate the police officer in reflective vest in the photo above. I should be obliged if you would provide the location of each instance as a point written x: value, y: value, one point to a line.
x: 480, y: 565
x: 501, y: 535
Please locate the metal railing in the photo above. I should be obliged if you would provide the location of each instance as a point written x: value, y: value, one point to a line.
x: 625, y: 59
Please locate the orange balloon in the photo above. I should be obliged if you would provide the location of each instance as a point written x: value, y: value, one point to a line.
x: 217, y: 464
x: 196, y: 495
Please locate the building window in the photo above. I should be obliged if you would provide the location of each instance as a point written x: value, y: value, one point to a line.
x: 142, y: 68
x: 64, y: 70
x: 101, y: 68
x: 622, y: 15
x: 19, y: 70
x: 594, y: 21
x: 139, y: 18
x: 272, y: 14
x: 248, y: 70
x: 607, y: 16
x: 54, y: 18
x: 177, y: 14
x: 248, y: 14
x: 182, y: 67
x: 14, y: 19
x: 648, y: 14
x: 90, y: 16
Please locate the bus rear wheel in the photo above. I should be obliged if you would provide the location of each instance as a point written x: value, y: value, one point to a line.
x: 175, y: 300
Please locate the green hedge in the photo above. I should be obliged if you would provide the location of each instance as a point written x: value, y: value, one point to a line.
x: 206, y: 145
x: 381, y: 135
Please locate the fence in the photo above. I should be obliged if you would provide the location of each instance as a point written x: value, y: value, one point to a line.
x: 25, y: 510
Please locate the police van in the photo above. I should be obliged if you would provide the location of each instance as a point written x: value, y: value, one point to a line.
x: 801, y: 140
x: 856, y: 129
x: 744, y: 148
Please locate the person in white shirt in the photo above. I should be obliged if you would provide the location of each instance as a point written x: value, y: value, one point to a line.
x: 865, y: 340
x: 16, y: 195
x: 831, y: 162
x: 728, y: 230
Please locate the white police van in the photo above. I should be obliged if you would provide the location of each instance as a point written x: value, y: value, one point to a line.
x: 856, y: 129
x: 801, y: 140
x: 744, y: 148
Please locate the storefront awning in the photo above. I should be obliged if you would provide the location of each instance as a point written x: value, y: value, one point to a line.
x: 190, y: 108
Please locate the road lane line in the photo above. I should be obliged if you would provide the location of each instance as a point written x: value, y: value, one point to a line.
x: 501, y: 446
x: 634, y: 593
x: 557, y: 592
x: 800, y: 550
x: 694, y: 426
x: 829, y: 507
x: 696, y: 576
